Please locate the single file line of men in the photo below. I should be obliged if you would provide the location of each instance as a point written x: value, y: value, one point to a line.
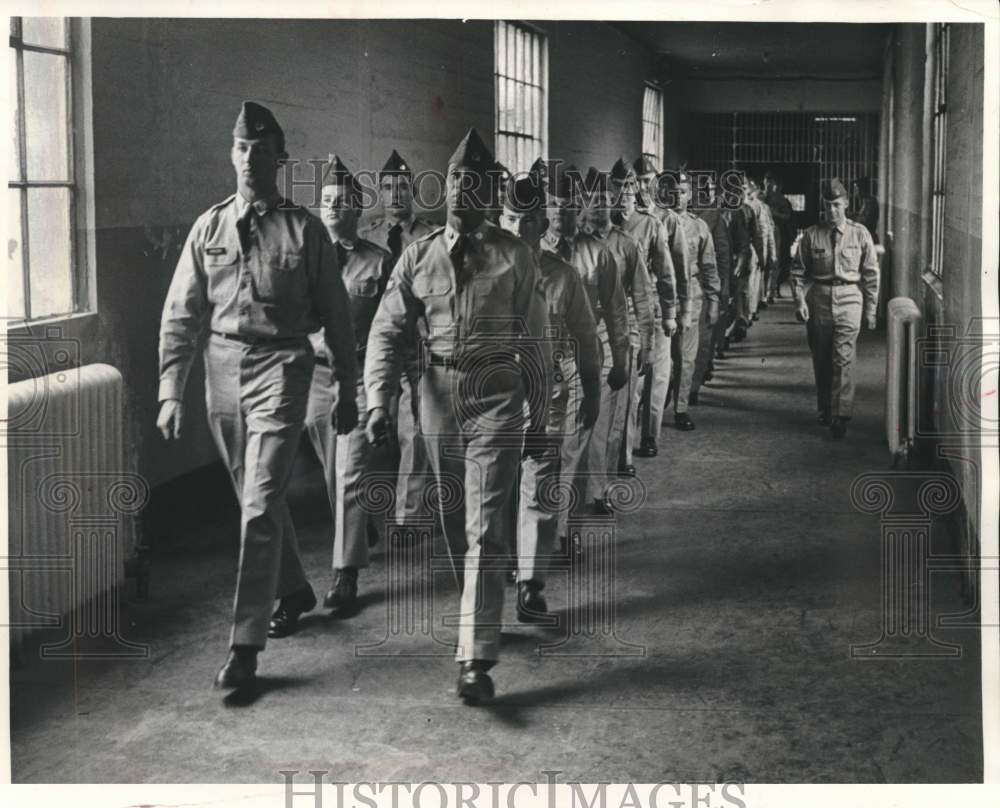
x: 536, y: 336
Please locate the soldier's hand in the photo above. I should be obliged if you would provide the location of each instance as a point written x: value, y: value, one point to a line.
x: 377, y: 430
x: 537, y: 444
x: 670, y: 327
x: 170, y: 418
x: 802, y: 312
x: 345, y: 417
x: 590, y: 407
x: 617, y: 377
x: 685, y: 322
x: 712, y: 315
x: 870, y: 321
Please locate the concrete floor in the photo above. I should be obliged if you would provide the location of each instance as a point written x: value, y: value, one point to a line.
x: 745, y: 578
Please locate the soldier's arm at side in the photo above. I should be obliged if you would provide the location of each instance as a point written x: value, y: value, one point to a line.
x: 682, y: 265
x: 612, y: 297
x: 664, y: 272
x: 642, y: 297
x: 529, y: 298
x: 708, y: 272
x: 723, y: 250
x: 869, y: 275
x: 185, y: 313
x: 334, y: 310
x: 583, y: 331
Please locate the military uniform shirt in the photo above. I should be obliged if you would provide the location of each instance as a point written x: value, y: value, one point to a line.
x: 634, y: 279
x: 679, y: 251
x: 719, y: 229
x: 705, y: 279
x: 281, y: 281
x: 596, y: 267
x: 649, y: 233
x: 853, y: 260
x: 377, y: 231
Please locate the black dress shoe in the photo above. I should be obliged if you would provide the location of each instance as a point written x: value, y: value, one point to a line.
x: 474, y: 683
x: 838, y: 428
x: 824, y: 417
x: 756, y: 317
x: 693, y: 398
x: 285, y: 619
x: 626, y: 471
x: 763, y: 304
x: 647, y: 449
x: 720, y: 354
x: 601, y: 508
x: 239, y: 670
x: 709, y: 375
x: 344, y: 592
x: 770, y: 299
x: 531, y: 606
x: 683, y: 422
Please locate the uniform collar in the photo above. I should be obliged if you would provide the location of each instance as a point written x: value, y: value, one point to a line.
x: 601, y: 233
x: 405, y: 223
x: 262, y: 206
x: 549, y: 241
x: 345, y: 243
x: 451, y: 235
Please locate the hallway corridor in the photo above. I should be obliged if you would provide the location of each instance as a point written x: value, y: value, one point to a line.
x: 746, y: 578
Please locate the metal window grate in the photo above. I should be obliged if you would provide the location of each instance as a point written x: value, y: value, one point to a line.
x: 652, y: 123
x: 844, y: 145
x: 939, y: 157
x: 521, y: 70
x: 42, y: 190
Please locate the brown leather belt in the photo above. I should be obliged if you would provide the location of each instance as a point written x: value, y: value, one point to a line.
x: 835, y: 282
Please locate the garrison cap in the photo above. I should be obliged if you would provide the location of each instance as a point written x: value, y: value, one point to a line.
x: 525, y: 194
x: 832, y: 189
x: 395, y: 166
x: 256, y: 121
x: 563, y: 180
x: 472, y: 154
x: 538, y: 168
x: 595, y: 182
x: 620, y: 171
x: 335, y: 173
x: 643, y: 166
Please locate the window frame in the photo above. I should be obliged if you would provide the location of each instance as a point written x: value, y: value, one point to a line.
x: 653, y: 90
x: 939, y: 135
x: 79, y: 160
x: 536, y: 138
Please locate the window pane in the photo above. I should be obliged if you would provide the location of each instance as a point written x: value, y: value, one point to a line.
x: 49, y: 253
x: 15, y: 271
x: 49, y: 32
x: 46, y: 128
x: 14, y: 155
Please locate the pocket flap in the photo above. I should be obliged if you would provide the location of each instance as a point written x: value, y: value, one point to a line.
x: 431, y: 285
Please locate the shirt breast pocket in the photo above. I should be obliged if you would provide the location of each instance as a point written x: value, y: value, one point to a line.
x: 221, y: 262
x: 493, y: 294
x: 280, y: 277
x: 434, y: 291
x: 362, y: 287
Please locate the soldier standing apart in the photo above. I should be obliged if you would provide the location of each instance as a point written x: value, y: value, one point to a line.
x: 261, y: 274
x: 836, y: 278
x: 596, y: 267
x: 395, y: 230
x: 652, y: 239
x: 476, y: 289
x: 704, y: 289
x: 747, y: 241
x: 576, y: 391
x: 364, y: 269
x: 636, y: 284
x: 784, y: 233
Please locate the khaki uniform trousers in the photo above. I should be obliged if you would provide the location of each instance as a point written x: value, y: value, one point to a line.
x: 685, y: 354
x: 256, y: 400
x: 833, y: 327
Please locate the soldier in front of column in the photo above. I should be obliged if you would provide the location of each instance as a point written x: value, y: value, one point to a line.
x: 260, y: 274
x: 709, y: 210
x: 476, y: 289
x: 576, y: 391
x: 597, y: 269
x: 704, y: 286
x: 652, y: 238
x: 618, y: 419
x: 364, y: 269
x: 836, y: 277
x: 395, y: 230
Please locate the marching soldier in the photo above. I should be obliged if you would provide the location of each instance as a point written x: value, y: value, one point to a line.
x: 364, y: 269
x: 713, y: 215
x: 836, y: 279
x: 784, y: 232
x: 704, y: 293
x: 475, y: 289
x: 596, y: 267
x: 576, y: 390
x: 261, y: 274
x: 649, y: 233
x: 650, y: 200
x: 634, y: 277
x: 394, y: 231
x: 747, y: 243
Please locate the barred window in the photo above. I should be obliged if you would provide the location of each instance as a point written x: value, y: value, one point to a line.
x: 44, y: 275
x: 522, y: 75
x: 939, y: 126
x: 652, y: 123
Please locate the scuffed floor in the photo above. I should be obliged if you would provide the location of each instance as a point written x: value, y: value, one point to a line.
x: 738, y: 592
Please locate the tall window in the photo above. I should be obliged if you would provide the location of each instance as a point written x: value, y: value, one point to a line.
x: 939, y: 123
x: 652, y: 123
x: 43, y: 277
x: 522, y: 77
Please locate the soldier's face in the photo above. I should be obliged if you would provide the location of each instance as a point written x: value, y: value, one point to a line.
x: 644, y: 182
x: 835, y: 210
x: 598, y: 213
x: 256, y: 162
x: 684, y: 195
x: 563, y: 215
x: 628, y: 201
x: 467, y: 191
x: 396, y: 193
x: 337, y: 212
x: 528, y: 227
